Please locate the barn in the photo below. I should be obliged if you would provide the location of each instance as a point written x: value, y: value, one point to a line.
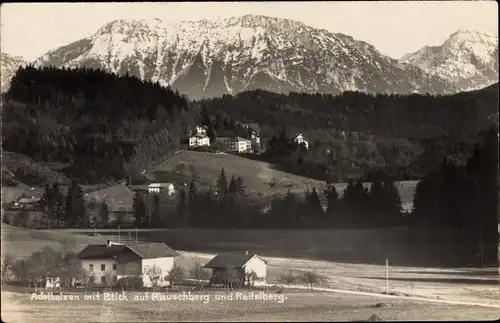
x: 238, y: 269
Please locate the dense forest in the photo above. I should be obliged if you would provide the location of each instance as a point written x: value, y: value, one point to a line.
x: 356, y: 135
x: 102, y: 126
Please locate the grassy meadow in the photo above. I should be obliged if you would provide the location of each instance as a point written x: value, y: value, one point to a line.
x: 298, y: 306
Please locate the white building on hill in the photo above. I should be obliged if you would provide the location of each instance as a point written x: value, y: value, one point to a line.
x: 239, y: 145
x: 162, y: 188
x: 300, y: 139
x: 199, y: 141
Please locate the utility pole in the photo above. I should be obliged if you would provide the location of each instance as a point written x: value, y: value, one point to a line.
x: 119, y: 241
x: 136, y: 230
x: 387, y: 275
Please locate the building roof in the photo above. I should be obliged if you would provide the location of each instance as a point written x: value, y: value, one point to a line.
x: 153, y: 250
x: 144, y: 250
x: 198, y: 136
x: 230, y: 260
x: 252, y: 125
x: 101, y: 251
x: 28, y: 200
x: 237, y: 139
x: 160, y: 184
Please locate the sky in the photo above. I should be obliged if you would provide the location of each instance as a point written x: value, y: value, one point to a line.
x: 395, y: 28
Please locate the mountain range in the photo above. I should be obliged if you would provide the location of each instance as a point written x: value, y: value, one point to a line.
x: 467, y: 59
x: 227, y: 56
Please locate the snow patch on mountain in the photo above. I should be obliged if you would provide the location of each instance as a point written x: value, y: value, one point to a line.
x: 468, y: 59
x: 211, y: 58
x: 8, y: 66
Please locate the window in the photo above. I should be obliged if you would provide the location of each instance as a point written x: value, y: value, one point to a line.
x: 91, y: 267
x: 103, y: 267
x: 103, y: 279
x: 114, y: 266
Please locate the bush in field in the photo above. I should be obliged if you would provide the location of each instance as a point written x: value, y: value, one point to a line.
x: 156, y: 276
x: 48, y: 263
x: 109, y: 279
x: 199, y: 273
x: 175, y: 275
x: 287, y: 279
x: 7, y: 263
x: 250, y: 278
x: 130, y: 283
x: 311, y: 278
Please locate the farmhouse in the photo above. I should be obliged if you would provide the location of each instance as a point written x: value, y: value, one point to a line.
x: 300, y: 139
x: 161, y: 188
x: 116, y: 261
x: 199, y: 141
x: 237, y: 267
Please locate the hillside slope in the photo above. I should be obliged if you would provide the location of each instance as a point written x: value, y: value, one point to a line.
x: 257, y: 176
x: 19, y: 168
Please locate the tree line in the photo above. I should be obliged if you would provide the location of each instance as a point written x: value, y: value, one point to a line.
x: 99, y: 125
x: 226, y: 205
x: 464, y: 197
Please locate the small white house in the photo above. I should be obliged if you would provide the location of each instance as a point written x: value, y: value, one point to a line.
x: 201, y: 130
x: 241, y: 265
x: 199, y: 141
x: 300, y: 139
x: 161, y: 188
x: 118, y: 261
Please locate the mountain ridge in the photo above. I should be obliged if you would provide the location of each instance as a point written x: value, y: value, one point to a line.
x: 214, y: 57
x: 468, y: 59
x: 210, y: 58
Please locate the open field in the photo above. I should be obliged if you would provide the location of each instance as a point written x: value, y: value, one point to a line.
x: 20, y: 242
x: 404, y: 246
x: 257, y: 175
x: 466, y: 284
x: 298, y: 306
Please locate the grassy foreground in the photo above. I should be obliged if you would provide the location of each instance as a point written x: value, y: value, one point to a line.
x: 298, y: 306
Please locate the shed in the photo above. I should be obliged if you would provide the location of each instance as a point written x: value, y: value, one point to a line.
x: 236, y: 269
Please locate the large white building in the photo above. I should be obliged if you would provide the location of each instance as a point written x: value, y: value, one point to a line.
x: 199, y: 141
x: 239, y: 145
x: 136, y: 260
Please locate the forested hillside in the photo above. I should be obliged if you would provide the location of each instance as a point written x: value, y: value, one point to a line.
x: 354, y: 134
x: 101, y: 125
x: 106, y: 127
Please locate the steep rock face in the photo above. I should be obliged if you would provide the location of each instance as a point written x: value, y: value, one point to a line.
x: 8, y: 67
x: 212, y: 58
x: 467, y: 59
